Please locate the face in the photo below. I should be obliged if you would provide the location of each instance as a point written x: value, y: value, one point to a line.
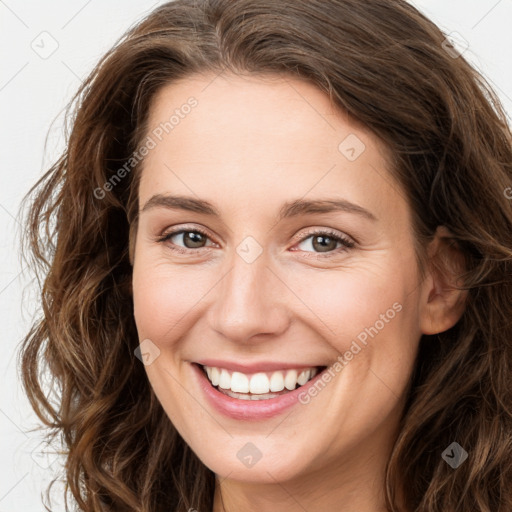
x: 275, y: 284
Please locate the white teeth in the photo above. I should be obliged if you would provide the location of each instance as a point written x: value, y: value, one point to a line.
x: 260, y: 383
x: 225, y: 380
x: 277, y: 382
x: 290, y: 381
x: 239, y: 383
x: 243, y: 396
x: 303, y: 377
x: 215, y: 376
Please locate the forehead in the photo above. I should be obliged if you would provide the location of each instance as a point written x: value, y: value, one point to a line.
x: 260, y: 109
x: 264, y: 137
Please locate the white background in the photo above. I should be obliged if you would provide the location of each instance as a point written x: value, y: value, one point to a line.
x: 33, y: 93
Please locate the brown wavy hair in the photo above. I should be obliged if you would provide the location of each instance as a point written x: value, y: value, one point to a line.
x: 387, y: 65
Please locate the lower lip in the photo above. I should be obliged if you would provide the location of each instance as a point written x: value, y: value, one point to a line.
x: 250, y: 409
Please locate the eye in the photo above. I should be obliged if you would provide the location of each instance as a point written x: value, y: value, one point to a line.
x: 326, y: 242
x: 190, y: 239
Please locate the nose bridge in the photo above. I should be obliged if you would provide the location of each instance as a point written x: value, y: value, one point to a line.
x: 247, y: 302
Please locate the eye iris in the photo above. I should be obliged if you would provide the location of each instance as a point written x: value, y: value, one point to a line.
x: 326, y: 243
x: 194, y: 238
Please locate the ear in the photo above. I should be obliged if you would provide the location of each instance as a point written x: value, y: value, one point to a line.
x: 442, y: 302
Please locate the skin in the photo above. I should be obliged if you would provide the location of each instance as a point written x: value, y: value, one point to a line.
x: 251, y: 144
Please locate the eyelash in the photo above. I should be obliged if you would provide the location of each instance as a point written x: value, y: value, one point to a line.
x: 345, y: 242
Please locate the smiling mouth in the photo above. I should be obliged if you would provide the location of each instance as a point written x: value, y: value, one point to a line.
x: 260, y: 385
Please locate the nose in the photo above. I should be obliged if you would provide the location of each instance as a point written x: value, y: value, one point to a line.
x: 249, y: 303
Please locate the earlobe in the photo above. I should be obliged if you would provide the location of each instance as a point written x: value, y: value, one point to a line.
x: 442, y: 299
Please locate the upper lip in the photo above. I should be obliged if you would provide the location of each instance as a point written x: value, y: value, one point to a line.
x: 255, y: 367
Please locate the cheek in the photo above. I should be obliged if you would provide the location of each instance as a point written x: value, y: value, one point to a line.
x: 345, y: 303
x: 369, y: 316
x: 164, y: 301
x: 164, y: 295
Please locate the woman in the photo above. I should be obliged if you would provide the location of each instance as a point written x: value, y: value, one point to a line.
x: 277, y: 267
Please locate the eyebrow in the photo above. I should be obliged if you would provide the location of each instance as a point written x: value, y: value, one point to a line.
x: 288, y: 210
